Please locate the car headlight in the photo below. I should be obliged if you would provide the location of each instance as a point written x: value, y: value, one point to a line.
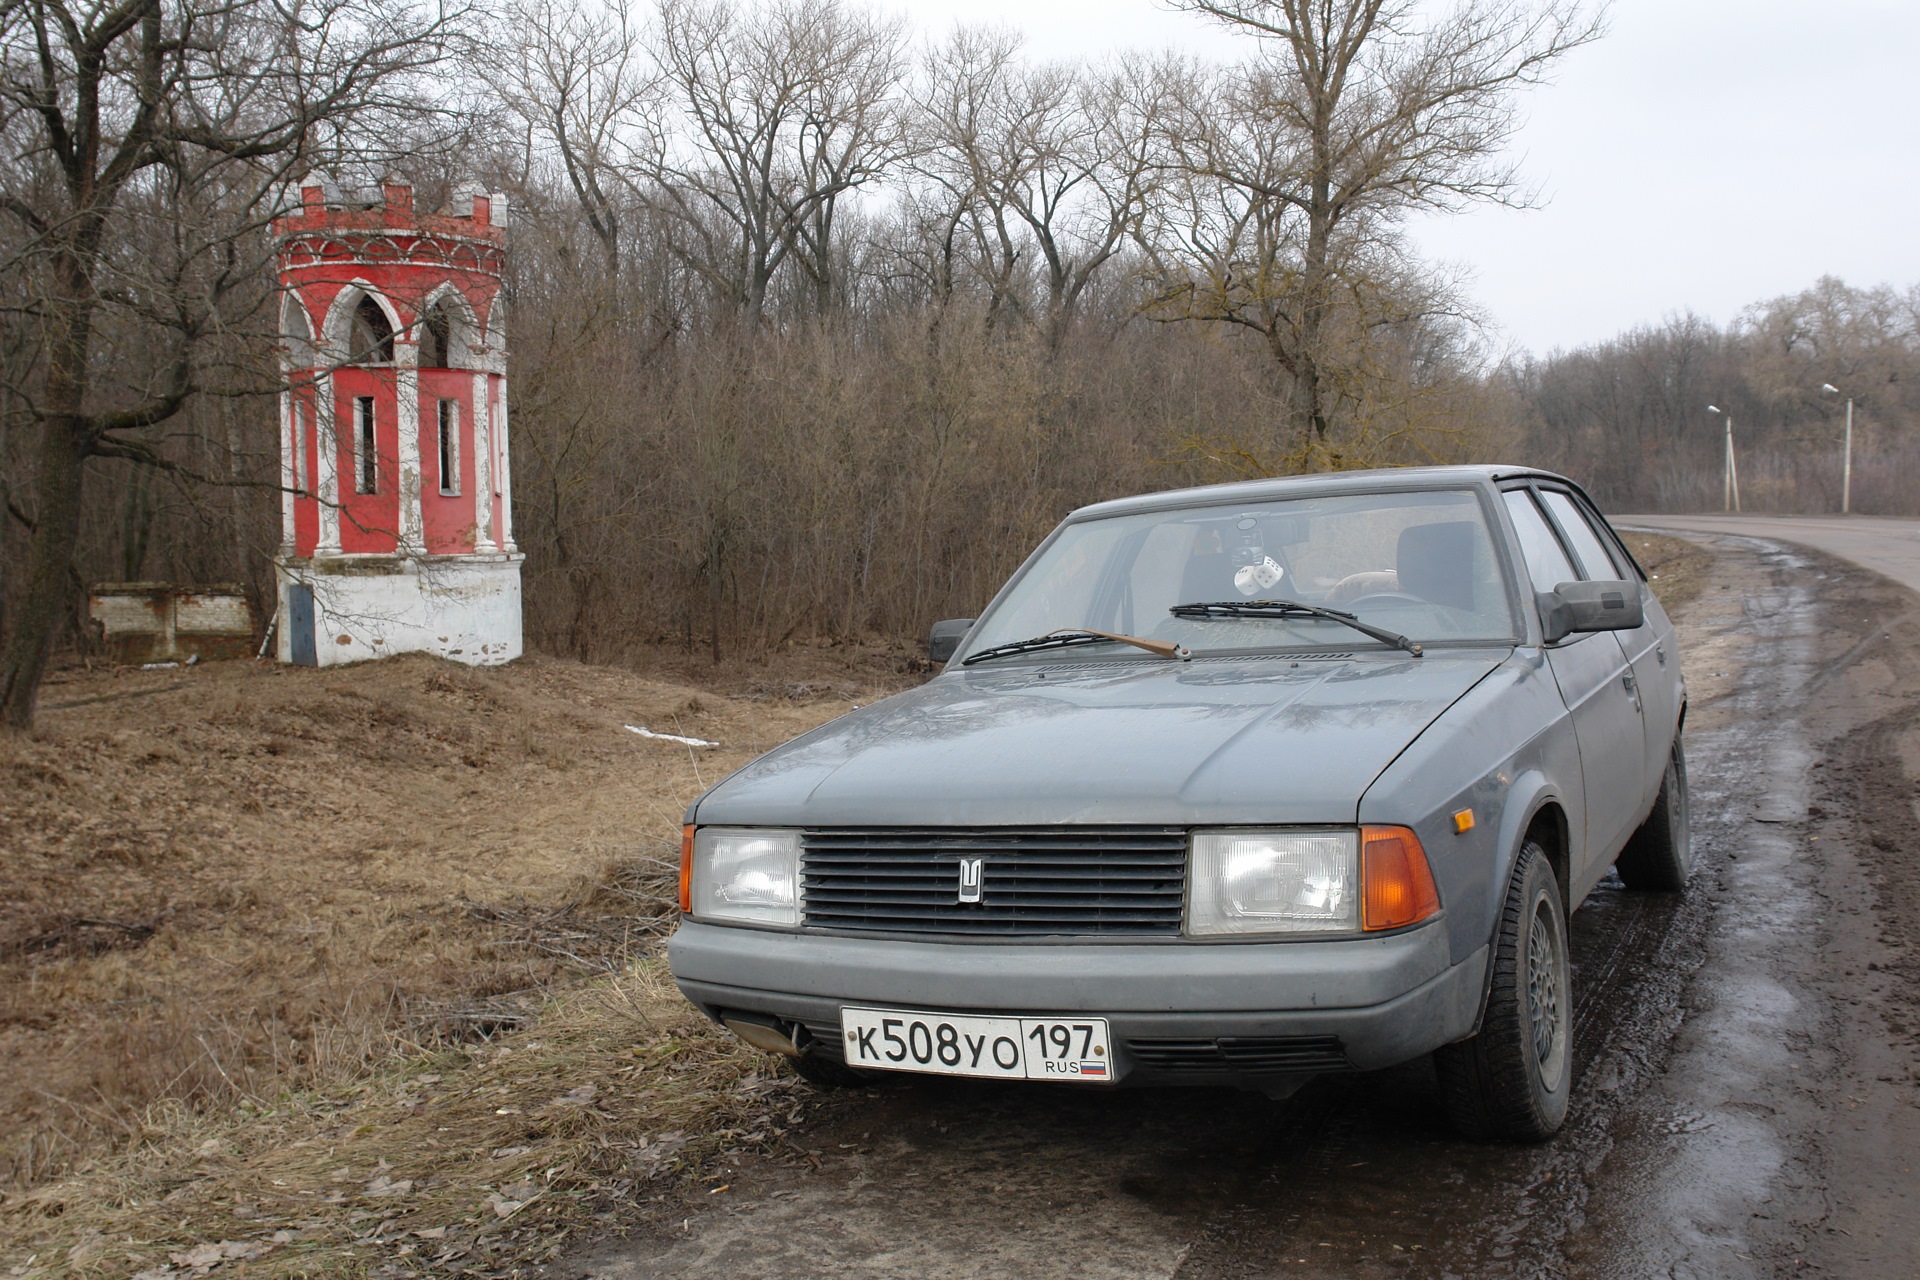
x: 1243, y: 882
x: 1338, y: 881
x: 745, y: 876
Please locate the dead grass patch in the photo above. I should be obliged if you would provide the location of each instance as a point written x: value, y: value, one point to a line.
x: 470, y: 1160
x: 1679, y: 568
x: 248, y: 881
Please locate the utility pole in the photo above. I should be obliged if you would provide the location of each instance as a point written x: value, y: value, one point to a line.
x: 1730, y: 488
x: 1846, y: 466
x: 1846, y: 463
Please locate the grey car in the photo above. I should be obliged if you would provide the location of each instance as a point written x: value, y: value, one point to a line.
x: 1231, y: 785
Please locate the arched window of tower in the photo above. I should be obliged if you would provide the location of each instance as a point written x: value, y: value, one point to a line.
x: 296, y: 332
x: 371, y: 338
x: 436, y: 338
x: 449, y: 334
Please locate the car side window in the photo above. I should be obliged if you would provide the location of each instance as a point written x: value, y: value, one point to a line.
x: 1587, y: 546
x: 1610, y: 538
x: 1547, y: 562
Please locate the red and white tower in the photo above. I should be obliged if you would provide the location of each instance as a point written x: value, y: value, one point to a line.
x: 397, y: 491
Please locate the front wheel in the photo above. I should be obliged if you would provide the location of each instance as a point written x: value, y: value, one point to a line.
x: 1510, y: 1080
x: 1659, y: 855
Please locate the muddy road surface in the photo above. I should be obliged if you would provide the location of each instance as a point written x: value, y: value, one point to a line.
x: 1746, y: 1100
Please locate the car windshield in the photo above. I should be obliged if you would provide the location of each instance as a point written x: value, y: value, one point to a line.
x: 1418, y: 563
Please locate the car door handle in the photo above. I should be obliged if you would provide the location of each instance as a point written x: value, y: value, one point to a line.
x: 1660, y: 652
x: 1626, y: 681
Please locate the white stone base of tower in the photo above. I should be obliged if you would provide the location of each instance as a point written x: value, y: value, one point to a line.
x: 350, y: 608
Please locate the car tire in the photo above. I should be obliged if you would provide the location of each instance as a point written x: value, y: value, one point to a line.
x: 826, y: 1073
x: 1659, y: 855
x: 1511, y: 1079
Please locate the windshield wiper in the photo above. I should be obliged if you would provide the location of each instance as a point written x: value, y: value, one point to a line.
x: 1290, y: 609
x: 1066, y: 637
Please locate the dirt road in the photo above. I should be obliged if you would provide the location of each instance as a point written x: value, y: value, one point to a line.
x: 1745, y: 1102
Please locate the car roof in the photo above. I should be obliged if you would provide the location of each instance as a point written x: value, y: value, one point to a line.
x: 1385, y: 479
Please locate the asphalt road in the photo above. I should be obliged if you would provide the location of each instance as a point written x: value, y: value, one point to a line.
x: 1886, y: 546
x: 1746, y: 1053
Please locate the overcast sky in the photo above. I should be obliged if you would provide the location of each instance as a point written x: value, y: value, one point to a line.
x: 1704, y: 155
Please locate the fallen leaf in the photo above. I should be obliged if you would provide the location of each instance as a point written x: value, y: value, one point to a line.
x: 212, y: 1255
x: 654, y: 1155
x: 385, y: 1186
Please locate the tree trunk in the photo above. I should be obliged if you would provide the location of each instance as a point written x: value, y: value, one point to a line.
x: 65, y: 446
x: 136, y: 524
x: 1314, y: 272
x: 66, y: 442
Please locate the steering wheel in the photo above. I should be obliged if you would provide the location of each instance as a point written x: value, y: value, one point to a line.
x: 1384, y: 597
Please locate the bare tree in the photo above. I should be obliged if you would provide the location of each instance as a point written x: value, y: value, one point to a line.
x: 957, y: 154
x: 579, y: 79
x: 1052, y: 164
x: 785, y: 111
x: 1352, y: 114
x: 144, y: 125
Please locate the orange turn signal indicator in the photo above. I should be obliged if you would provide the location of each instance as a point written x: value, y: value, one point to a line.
x: 1463, y: 822
x: 686, y: 869
x: 1396, y: 884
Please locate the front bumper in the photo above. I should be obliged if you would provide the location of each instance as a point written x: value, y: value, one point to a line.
x: 1178, y: 1012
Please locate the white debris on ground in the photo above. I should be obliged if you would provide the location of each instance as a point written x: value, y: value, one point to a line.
x: 670, y: 737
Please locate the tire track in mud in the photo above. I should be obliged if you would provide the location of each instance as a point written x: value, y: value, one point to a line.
x: 1725, y: 1167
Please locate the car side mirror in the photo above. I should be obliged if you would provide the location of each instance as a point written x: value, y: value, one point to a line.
x: 1574, y: 607
x: 946, y: 636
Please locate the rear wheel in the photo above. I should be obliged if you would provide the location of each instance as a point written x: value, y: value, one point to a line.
x: 1511, y: 1079
x: 1660, y: 853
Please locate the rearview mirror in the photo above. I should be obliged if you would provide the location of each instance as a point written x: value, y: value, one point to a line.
x: 946, y: 637
x: 1574, y: 607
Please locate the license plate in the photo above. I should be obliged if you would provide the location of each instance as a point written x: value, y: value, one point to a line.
x: 949, y: 1044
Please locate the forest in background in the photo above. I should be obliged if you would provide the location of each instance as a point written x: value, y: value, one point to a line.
x: 819, y: 323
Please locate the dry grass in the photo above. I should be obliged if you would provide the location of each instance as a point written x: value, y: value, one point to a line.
x: 476, y: 1160
x: 235, y: 882
x: 1679, y: 568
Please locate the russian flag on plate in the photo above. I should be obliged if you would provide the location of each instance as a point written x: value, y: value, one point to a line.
x: 1093, y: 1068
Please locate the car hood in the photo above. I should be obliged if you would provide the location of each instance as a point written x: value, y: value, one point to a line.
x: 1220, y: 740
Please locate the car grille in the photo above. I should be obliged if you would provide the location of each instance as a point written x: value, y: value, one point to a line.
x: 1068, y: 880
x: 1242, y: 1054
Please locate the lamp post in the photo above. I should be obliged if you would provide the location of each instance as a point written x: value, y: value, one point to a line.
x: 1846, y: 465
x: 1730, y: 500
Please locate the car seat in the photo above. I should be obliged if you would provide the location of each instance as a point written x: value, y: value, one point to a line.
x: 1208, y: 577
x: 1435, y: 562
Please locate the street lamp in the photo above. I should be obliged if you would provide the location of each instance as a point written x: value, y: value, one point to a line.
x: 1731, y: 499
x: 1846, y: 466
